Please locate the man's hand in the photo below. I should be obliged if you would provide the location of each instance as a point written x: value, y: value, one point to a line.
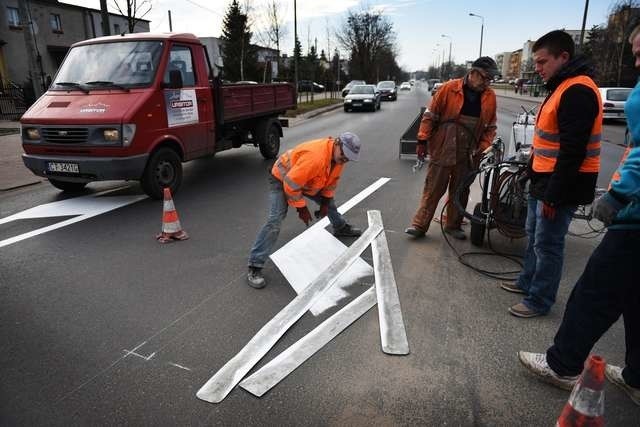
x: 421, y: 149
x: 548, y: 211
x: 324, y: 207
x: 304, y: 215
x: 605, y: 208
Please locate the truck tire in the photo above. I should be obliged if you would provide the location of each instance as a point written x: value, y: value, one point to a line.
x: 68, y: 187
x: 164, y: 169
x: 269, y: 140
x: 477, y: 230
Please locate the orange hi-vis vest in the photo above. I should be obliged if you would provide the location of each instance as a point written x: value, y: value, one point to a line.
x: 546, y: 140
x: 307, y: 169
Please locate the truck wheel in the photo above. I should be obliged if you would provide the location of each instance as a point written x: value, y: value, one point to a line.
x: 69, y: 187
x: 269, y: 142
x: 164, y: 169
x: 477, y: 230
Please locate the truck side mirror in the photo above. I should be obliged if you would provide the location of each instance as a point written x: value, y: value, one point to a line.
x: 175, y: 79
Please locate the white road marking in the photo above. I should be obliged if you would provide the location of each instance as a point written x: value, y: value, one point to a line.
x: 179, y: 366
x: 307, y: 255
x: 84, y: 207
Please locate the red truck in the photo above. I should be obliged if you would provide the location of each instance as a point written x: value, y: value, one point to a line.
x: 134, y: 107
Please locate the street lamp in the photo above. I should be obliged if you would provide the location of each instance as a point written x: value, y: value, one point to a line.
x: 481, y: 29
x: 450, y: 42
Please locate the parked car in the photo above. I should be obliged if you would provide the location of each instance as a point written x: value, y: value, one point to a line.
x: 435, y: 88
x: 308, y: 86
x: 388, y: 90
x: 432, y: 82
x: 364, y: 97
x: 613, y: 100
x: 351, y: 84
x: 405, y: 86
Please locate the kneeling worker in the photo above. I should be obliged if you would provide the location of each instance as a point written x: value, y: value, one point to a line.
x: 312, y: 169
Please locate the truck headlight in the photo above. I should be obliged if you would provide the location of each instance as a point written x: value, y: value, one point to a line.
x: 32, y: 133
x: 128, y: 132
x: 111, y: 135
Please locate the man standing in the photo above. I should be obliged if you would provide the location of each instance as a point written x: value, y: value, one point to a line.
x: 459, y: 124
x: 608, y: 286
x: 312, y: 170
x: 563, y: 169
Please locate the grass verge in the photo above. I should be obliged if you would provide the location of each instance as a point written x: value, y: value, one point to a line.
x: 305, y: 107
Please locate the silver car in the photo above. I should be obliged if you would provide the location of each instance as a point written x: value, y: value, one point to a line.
x: 613, y: 100
x: 362, y: 97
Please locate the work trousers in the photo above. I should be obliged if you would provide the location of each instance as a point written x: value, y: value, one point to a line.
x: 278, y: 207
x: 609, y: 287
x: 435, y: 185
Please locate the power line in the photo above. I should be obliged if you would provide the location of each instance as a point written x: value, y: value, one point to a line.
x: 205, y: 8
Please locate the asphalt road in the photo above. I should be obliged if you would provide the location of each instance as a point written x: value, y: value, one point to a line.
x: 101, y: 325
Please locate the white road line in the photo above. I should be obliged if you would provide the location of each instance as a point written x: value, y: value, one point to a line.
x: 179, y: 366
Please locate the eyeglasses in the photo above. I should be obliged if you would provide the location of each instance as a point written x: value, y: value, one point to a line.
x: 485, y: 77
x: 343, y: 158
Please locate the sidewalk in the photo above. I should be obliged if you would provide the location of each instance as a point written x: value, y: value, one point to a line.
x: 510, y: 93
x: 13, y: 173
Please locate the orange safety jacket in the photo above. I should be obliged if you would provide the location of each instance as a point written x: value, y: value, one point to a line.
x: 308, y: 169
x: 546, y: 139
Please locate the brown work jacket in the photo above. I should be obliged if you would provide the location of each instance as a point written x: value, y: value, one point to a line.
x: 444, y: 111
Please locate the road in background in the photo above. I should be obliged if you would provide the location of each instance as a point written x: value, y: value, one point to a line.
x: 102, y: 325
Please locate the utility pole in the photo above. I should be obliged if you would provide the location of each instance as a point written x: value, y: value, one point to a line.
x: 104, y: 14
x: 170, y: 25
x: 295, y: 40
x: 32, y: 51
x: 584, y: 22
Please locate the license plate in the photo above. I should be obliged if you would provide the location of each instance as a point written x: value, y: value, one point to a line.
x: 357, y: 104
x: 63, y: 167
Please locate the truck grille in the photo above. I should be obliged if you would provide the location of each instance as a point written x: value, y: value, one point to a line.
x: 65, y: 135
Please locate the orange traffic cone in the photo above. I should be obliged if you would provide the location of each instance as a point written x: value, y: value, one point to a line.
x: 586, y: 403
x: 171, y: 228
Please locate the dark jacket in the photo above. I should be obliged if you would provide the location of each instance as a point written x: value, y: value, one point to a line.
x: 577, y: 111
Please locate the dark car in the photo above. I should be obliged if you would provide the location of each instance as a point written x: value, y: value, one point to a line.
x: 308, y: 86
x: 362, y: 97
x: 388, y: 90
x: 351, y: 84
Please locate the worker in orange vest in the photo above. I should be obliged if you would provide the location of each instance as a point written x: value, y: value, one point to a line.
x: 311, y: 170
x: 459, y: 124
x: 563, y: 169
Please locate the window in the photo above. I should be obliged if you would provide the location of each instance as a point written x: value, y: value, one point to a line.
x: 116, y: 28
x: 13, y: 17
x: 180, y: 59
x: 55, y: 22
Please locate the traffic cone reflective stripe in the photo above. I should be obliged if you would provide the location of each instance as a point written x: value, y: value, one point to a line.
x: 171, y: 228
x: 586, y: 403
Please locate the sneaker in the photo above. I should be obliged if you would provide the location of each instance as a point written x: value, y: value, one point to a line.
x: 521, y: 310
x: 537, y: 363
x: 347, y: 230
x: 512, y: 287
x: 255, y: 278
x: 456, y: 233
x: 614, y: 375
x: 414, y: 232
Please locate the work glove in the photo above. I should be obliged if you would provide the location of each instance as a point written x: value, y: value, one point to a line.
x: 548, y: 211
x: 304, y: 215
x: 421, y: 149
x: 605, y: 208
x: 324, y: 207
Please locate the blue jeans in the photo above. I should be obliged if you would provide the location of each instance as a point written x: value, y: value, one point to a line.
x: 540, y: 276
x: 278, y: 207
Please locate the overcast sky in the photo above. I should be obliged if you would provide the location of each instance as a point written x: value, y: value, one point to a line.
x: 419, y: 24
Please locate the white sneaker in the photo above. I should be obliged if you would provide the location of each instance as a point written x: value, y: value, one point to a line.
x: 255, y: 279
x: 614, y: 375
x: 537, y: 363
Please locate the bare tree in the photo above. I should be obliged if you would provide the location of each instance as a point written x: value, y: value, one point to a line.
x: 274, y: 27
x: 135, y: 10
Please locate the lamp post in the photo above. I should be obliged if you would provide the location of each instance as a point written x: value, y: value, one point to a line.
x: 584, y: 21
x: 481, y: 29
x: 450, y: 43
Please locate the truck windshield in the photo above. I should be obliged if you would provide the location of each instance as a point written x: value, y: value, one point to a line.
x: 122, y: 64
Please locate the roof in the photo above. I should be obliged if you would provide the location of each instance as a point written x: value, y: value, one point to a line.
x: 58, y: 3
x: 181, y: 37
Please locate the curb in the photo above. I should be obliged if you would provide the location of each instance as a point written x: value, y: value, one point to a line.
x: 295, y: 121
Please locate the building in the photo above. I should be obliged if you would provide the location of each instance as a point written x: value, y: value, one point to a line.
x: 266, y: 56
x: 527, y: 68
x: 54, y: 28
x: 515, y: 64
x: 503, y: 61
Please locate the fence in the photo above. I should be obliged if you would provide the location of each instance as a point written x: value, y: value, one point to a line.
x: 14, y: 101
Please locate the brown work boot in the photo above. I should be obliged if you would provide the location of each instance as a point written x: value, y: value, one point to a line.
x: 521, y: 310
x: 512, y: 287
x: 456, y: 233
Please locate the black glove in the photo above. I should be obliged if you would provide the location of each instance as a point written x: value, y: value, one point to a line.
x: 324, y: 207
x: 605, y: 208
x: 421, y: 149
x: 304, y: 215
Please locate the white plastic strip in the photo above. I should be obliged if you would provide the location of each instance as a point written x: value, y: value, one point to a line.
x: 219, y: 385
x: 289, y: 360
x: 392, y: 331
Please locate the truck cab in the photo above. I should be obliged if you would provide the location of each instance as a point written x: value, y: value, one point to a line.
x: 135, y: 107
